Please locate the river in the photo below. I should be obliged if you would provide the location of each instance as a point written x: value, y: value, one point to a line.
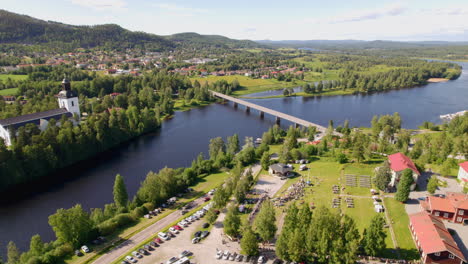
x: 187, y: 134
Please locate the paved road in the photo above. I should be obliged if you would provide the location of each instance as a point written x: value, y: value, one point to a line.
x: 150, y: 231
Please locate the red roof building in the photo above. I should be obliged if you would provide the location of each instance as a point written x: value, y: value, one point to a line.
x: 433, y: 240
x: 398, y: 163
x: 453, y: 208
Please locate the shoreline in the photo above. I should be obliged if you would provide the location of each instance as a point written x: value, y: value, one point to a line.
x: 437, y: 80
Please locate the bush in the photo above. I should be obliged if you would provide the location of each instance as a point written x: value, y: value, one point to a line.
x: 62, y: 251
x: 139, y: 212
x: 341, y: 158
x: 124, y: 219
x: 107, y: 227
x: 148, y: 206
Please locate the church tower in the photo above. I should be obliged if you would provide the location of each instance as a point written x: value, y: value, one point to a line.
x: 68, y: 99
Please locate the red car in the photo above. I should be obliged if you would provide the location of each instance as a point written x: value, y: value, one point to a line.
x: 158, y: 240
x: 177, y: 227
x: 207, y: 199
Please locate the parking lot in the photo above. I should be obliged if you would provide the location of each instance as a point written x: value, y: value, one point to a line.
x: 205, y: 251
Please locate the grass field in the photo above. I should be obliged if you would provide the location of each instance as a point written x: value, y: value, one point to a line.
x: 397, y: 213
x: 250, y: 85
x: 11, y: 91
x: 14, y: 77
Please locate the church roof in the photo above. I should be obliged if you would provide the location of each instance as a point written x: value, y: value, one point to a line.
x: 35, y: 118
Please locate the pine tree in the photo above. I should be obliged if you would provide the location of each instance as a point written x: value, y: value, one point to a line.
x: 265, y: 160
x: 383, y: 176
x: 36, y: 246
x: 403, y: 188
x: 374, y: 237
x: 13, y: 253
x: 120, y: 192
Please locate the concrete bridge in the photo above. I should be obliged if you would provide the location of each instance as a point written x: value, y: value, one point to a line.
x: 278, y: 115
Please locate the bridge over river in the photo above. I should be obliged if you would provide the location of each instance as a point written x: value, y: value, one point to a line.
x: 278, y: 115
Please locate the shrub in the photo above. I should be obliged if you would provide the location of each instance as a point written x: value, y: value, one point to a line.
x: 107, y: 227
x: 62, y: 251
x: 124, y: 219
x: 138, y: 212
x: 148, y: 206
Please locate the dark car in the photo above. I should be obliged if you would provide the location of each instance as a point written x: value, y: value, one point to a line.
x: 148, y: 247
x: 78, y: 253
x: 153, y: 244
x: 198, y: 233
x: 205, y: 234
x: 205, y: 225
x: 277, y: 261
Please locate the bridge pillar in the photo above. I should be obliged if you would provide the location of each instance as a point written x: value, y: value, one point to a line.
x: 236, y: 105
x: 262, y: 114
x: 278, y: 121
x: 296, y: 125
x: 247, y: 109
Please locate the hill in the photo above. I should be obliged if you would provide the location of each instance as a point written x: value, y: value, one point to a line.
x: 23, y: 29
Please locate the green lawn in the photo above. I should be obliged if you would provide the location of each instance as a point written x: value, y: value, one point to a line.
x: 11, y: 91
x: 397, y: 213
x: 14, y: 77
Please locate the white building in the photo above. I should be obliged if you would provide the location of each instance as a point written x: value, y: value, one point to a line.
x: 398, y: 163
x: 68, y: 103
x: 463, y: 174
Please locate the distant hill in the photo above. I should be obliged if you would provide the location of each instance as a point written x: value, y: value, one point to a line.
x: 357, y: 44
x: 197, y: 40
x: 15, y: 28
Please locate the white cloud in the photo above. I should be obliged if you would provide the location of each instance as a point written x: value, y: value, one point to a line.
x: 101, y: 4
x: 178, y: 10
x: 393, y: 10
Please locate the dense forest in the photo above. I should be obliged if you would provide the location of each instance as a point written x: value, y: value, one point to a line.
x: 15, y: 28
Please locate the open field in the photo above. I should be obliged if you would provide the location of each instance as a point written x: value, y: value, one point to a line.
x: 250, y: 85
x: 11, y: 91
x: 14, y: 77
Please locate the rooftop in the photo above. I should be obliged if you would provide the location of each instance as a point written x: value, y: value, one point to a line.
x: 29, y: 118
x: 399, y: 162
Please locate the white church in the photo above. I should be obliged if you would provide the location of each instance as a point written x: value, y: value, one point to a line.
x: 68, y: 106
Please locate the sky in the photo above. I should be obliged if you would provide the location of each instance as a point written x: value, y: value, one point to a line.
x: 409, y: 20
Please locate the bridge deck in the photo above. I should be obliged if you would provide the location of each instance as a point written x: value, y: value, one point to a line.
x: 281, y: 115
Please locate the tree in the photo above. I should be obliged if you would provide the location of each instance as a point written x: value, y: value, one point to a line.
x: 374, y: 236
x: 404, y: 186
x: 211, y: 216
x: 233, y: 145
x: 265, y: 160
x: 72, y: 225
x: 383, y: 176
x: 13, y: 253
x: 120, y: 192
x: 432, y: 184
x: 216, y: 147
x: 266, y: 221
x: 232, y: 221
x: 249, y: 242
x: 36, y: 247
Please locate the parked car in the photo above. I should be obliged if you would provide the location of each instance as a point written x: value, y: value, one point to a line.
x: 158, y: 240
x: 247, y: 259
x: 233, y: 256
x: 277, y: 261
x: 143, y: 251
x: 226, y: 255
x: 172, y: 260
x: 148, y: 247
x: 178, y: 227
x: 136, y: 254
x: 185, y: 253
x: 211, y: 192
x: 205, y: 234
x: 217, y: 212
x: 153, y: 244
x: 163, y: 236
x: 261, y: 260
x: 173, y: 230
x: 85, y: 249
x: 239, y: 258
x: 219, y: 254
x: 206, y: 199
x: 182, y: 223
x: 421, y: 198
x: 131, y: 259
x: 78, y: 253
x: 205, y: 225
x: 124, y: 262
x: 195, y: 240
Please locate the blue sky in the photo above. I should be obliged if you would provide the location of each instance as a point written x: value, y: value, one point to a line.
x: 262, y: 19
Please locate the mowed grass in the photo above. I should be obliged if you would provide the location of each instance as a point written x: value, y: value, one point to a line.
x: 11, y: 91
x: 250, y: 85
x: 397, y: 214
x: 13, y: 77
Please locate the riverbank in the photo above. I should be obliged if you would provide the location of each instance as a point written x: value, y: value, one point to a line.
x: 437, y: 80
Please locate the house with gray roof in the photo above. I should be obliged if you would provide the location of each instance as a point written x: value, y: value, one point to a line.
x: 280, y: 169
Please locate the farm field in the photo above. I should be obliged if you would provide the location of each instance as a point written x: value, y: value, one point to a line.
x: 11, y: 91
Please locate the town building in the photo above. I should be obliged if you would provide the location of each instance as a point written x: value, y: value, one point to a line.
x: 279, y: 169
x: 68, y: 106
x: 452, y: 207
x: 463, y: 174
x: 398, y: 163
x: 433, y: 240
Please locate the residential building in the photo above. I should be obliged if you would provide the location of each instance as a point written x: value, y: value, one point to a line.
x: 398, y: 163
x: 463, y: 174
x: 453, y: 207
x: 68, y: 103
x: 434, y: 241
